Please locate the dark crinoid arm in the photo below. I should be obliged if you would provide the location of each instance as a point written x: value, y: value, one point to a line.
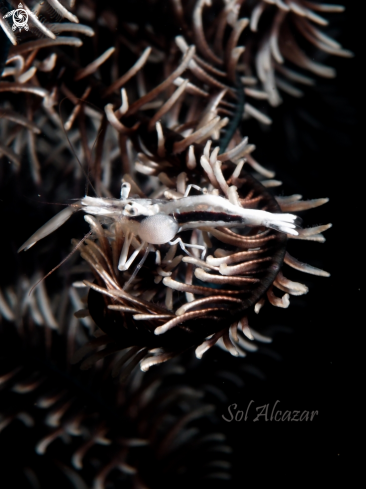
x: 70, y: 428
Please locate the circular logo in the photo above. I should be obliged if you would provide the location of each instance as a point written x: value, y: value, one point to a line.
x: 20, y: 19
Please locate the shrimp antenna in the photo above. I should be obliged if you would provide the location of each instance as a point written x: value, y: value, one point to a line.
x: 72, y: 148
x: 61, y: 263
x: 45, y: 202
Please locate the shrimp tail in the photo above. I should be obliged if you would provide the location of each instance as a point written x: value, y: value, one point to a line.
x: 285, y: 223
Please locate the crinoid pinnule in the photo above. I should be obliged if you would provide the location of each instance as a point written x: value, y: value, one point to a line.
x: 288, y: 37
x: 82, y: 427
x: 278, y: 47
x: 29, y: 88
x: 238, y: 55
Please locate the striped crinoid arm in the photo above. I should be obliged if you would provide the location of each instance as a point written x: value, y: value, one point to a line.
x: 186, y: 442
x: 30, y: 125
x: 276, y: 42
x: 60, y: 416
x: 82, y: 427
x: 198, y: 77
x: 288, y: 37
x: 214, y: 86
x: 164, y: 76
x: 216, y: 72
x: 237, y: 42
x: 272, y: 44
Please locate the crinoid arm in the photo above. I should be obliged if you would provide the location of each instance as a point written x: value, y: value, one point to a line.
x: 54, y: 223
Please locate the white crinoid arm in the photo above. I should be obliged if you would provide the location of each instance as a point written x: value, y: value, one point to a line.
x: 54, y: 223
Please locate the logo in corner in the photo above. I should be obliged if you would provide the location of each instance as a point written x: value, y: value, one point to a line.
x: 20, y: 18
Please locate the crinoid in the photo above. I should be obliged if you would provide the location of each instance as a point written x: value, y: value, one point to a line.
x: 197, y: 299
x: 28, y: 86
x: 286, y: 43
x: 68, y: 428
x: 166, y: 98
x: 245, y: 52
x: 196, y: 296
x: 184, y: 187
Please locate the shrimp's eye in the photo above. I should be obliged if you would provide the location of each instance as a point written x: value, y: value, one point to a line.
x: 130, y: 210
x: 158, y: 229
x: 125, y: 190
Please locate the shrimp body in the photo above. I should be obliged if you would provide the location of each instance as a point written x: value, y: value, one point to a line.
x: 157, y: 221
x: 191, y: 212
